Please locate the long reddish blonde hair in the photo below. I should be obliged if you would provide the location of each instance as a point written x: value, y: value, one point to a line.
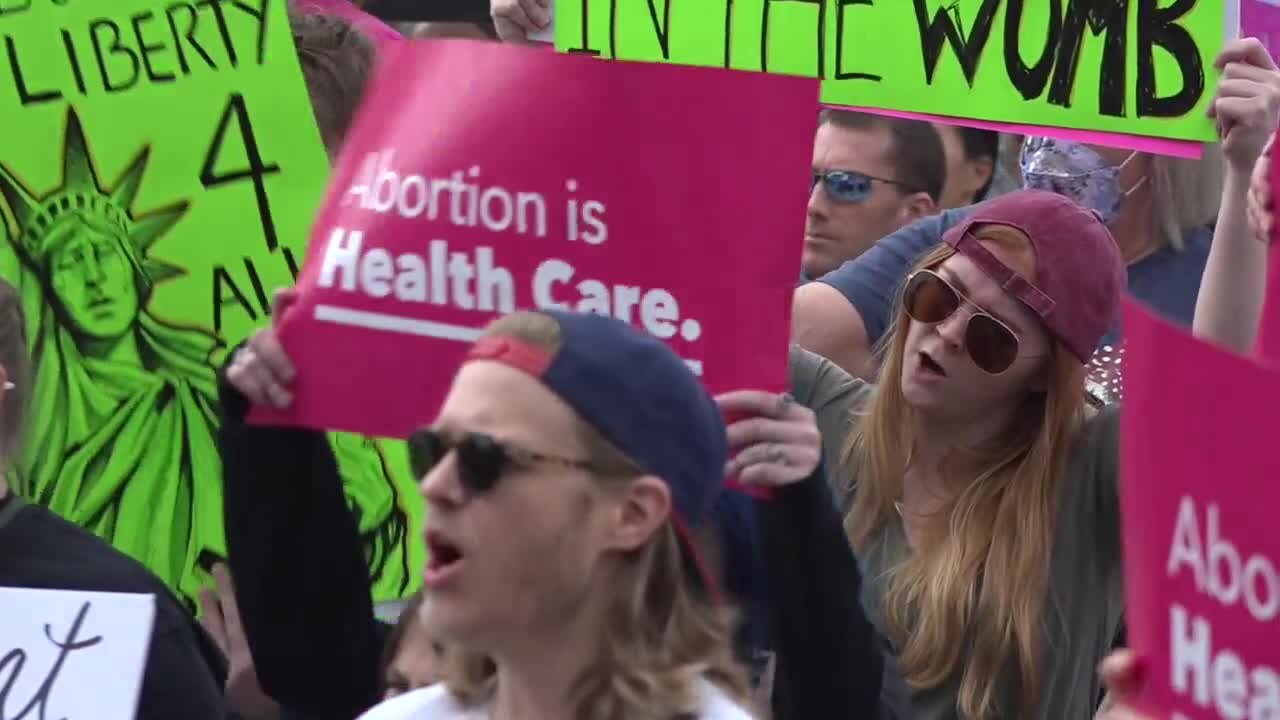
x: 971, y: 597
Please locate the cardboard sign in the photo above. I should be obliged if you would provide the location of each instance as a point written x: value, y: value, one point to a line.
x: 1143, y: 67
x: 161, y: 175
x: 1201, y: 551
x: 72, y: 655
x: 548, y: 181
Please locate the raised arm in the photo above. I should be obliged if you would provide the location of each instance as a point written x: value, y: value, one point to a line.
x: 294, y: 549
x: 1246, y: 108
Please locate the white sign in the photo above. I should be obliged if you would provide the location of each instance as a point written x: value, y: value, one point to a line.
x: 67, y: 655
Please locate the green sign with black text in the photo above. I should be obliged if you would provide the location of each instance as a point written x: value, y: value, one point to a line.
x: 1143, y: 67
x: 159, y: 178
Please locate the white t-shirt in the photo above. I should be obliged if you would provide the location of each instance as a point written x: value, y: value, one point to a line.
x: 435, y: 703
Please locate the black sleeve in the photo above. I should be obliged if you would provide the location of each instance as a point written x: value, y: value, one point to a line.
x: 178, y: 682
x: 831, y: 659
x: 298, y: 565
x: 429, y: 10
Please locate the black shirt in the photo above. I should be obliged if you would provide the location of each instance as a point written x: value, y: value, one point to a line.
x: 185, y: 672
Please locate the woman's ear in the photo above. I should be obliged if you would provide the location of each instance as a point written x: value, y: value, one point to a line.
x: 641, y: 509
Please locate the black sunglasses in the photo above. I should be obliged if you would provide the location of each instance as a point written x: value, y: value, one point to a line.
x: 850, y: 186
x: 482, y: 459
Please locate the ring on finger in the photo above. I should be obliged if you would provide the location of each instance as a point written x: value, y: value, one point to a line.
x: 776, y: 455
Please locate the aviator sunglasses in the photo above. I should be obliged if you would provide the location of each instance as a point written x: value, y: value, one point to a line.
x: 930, y: 299
x: 850, y: 186
x: 482, y: 459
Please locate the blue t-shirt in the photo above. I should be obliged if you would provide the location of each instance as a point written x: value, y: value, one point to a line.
x: 1168, y: 280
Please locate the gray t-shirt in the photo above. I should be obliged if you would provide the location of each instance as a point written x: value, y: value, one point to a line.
x: 1086, y: 597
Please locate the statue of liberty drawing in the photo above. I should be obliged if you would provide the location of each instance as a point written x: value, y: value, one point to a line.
x: 125, y: 412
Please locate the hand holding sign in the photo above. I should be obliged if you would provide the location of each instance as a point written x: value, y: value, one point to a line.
x: 261, y: 370
x: 517, y: 20
x: 777, y: 440
x: 1247, y: 103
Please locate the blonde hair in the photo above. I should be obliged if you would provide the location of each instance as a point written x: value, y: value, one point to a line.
x: 663, y: 634
x: 971, y: 597
x: 1187, y: 193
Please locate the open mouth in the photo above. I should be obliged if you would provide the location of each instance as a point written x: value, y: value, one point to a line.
x: 930, y: 366
x: 442, y: 555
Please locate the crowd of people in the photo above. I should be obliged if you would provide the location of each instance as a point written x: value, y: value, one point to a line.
x: 926, y: 526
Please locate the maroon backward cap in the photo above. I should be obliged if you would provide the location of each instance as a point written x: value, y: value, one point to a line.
x: 1080, y: 274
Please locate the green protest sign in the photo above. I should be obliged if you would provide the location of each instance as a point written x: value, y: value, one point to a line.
x: 159, y: 180
x: 1142, y: 67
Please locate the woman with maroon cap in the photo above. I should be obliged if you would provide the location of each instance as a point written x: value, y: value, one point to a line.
x: 979, y: 483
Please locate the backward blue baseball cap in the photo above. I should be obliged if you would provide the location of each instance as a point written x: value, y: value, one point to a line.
x: 641, y: 397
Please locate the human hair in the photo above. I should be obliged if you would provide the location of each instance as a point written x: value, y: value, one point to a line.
x: 664, y: 632
x: 971, y: 597
x: 336, y: 59
x: 17, y: 363
x: 980, y: 144
x: 919, y: 160
x: 1186, y: 194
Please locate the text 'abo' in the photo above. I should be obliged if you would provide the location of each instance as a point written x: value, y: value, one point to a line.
x: 1219, y: 678
x: 471, y: 280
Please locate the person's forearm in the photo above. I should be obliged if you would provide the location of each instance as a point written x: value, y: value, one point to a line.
x: 830, y: 658
x: 1234, y: 283
x: 301, y: 580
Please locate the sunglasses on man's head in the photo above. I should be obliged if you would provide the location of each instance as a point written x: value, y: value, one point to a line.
x: 850, y: 186
x: 482, y: 459
x: 928, y: 298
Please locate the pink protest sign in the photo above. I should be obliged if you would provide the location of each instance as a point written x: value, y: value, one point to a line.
x: 1198, y: 495
x: 1261, y: 19
x: 482, y: 178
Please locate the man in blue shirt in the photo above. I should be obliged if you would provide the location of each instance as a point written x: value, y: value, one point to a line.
x: 871, y: 176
